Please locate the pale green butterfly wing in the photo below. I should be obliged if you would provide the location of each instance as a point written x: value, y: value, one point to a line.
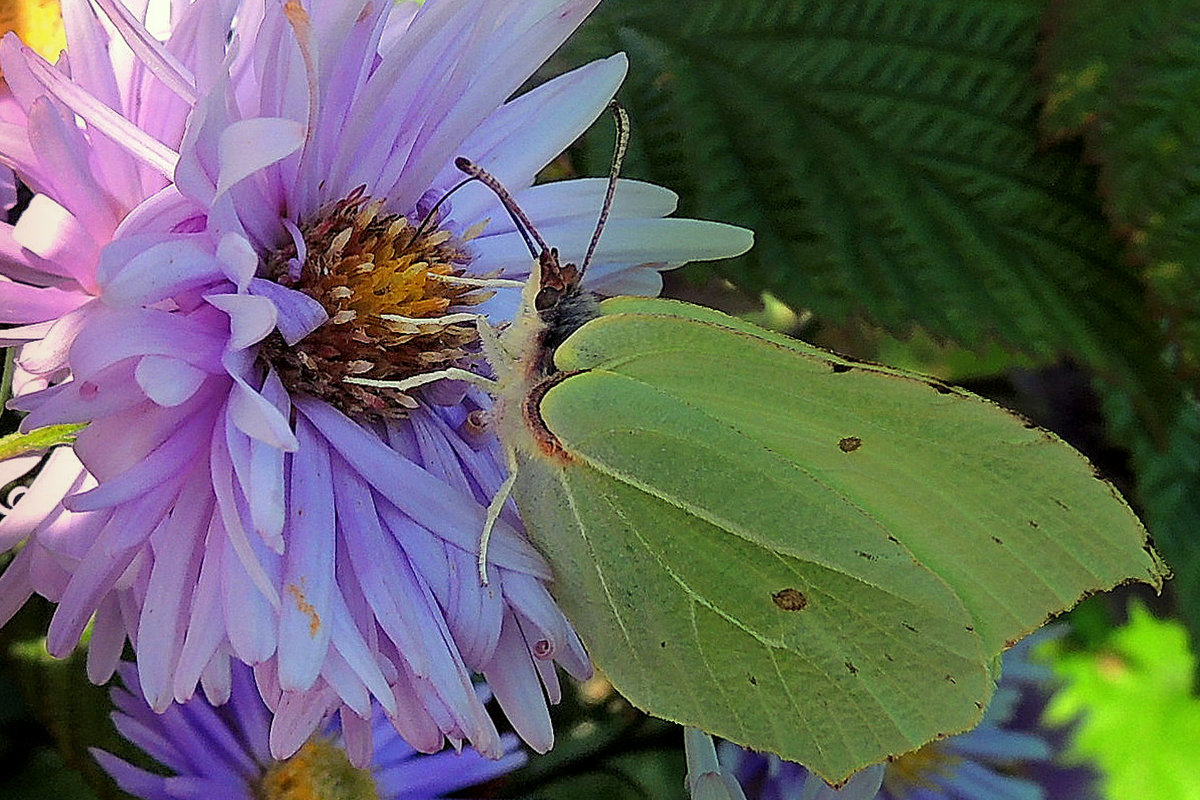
x: 1011, y: 517
x: 686, y: 622
x: 734, y: 564
x: 730, y: 593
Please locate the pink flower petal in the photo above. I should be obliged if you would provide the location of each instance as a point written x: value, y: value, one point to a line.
x: 21, y: 304
x: 146, y: 148
x: 249, y: 145
x: 107, y: 641
x: 250, y: 318
x: 517, y: 688
x: 140, y: 271
x: 168, y: 381
x: 155, y: 454
x: 63, y: 245
x: 150, y: 51
x: 305, y: 622
x: 439, y: 507
x: 237, y: 255
x: 178, y: 552
x: 205, y: 627
x: 525, y: 134
x: 159, y: 333
x: 299, y: 315
x: 250, y: 621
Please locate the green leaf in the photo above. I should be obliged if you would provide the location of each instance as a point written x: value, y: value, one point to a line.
x: 796, y: 552
x: 1127, y: 77
x: 72, y: 709
x: 42, y: 776
x: 641, y: 775
x: 885, y: 153
x: 1133, y: 709
x: 36, y: 441
x: 603, y: 748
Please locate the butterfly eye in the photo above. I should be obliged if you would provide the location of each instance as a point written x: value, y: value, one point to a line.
x: 547, y: 297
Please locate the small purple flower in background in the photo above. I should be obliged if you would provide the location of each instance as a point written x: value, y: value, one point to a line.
x: 222, y: 753
x: 768, y: 777
x: 1005, y: 758
x: 222, y: 217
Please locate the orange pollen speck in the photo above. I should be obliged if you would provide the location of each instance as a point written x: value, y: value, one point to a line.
x: 362, y: 264
x: 306, y: 608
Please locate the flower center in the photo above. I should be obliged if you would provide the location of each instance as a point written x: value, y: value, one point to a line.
x: 319, y: 771
x: 362, y: 264
x: 917, y: 770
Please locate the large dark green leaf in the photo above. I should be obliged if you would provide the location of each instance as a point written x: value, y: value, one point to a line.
x: 1127, y: 76
x: 71, y: 713
x: 885, y: 153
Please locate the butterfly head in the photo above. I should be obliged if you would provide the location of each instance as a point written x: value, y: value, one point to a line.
x: 561, y: 303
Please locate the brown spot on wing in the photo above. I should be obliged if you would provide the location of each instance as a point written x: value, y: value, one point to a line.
x: 790, y: 599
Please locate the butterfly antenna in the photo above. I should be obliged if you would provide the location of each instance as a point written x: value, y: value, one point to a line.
x: 519, y: 218
x: 622, y: 145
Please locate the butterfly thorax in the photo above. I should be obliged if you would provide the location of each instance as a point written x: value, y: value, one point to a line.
x: 553, y: 306
x: 561, y: 303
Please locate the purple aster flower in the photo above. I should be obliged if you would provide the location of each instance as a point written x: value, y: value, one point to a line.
x: 1000, y: 759
x: 223, y: 752
x: 226, y: 226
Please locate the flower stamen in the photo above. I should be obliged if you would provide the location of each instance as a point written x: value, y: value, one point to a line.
x: 319, y: 771
x: 393, y: 297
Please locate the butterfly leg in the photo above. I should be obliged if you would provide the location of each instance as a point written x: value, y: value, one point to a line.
x: 493, y: 347
x: 486, y: 283
x: 493, y: 511
x: 447, y: 319
x: 450, y: 373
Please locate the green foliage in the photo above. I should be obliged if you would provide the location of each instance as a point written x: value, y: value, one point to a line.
x: 885, y: 153
x: 1135, y: 713
x: 873, y: 518
x: 42, y: 776
x: 1127, y: 77
x: 604, y: 748
x: 1168, y: 474
x: 74, y: 712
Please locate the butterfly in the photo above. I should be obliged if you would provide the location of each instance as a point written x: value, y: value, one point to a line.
x: 801, y: 553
